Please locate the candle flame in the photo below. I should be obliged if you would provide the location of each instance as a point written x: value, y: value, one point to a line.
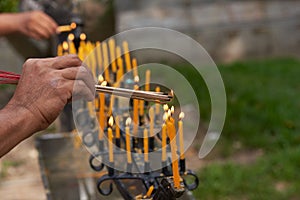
x: 166, y: 107
x: 100, y: 79
x: 82, y: 36
x: 172, y: 93
x: 71, y: 37
x: 65, y: 45
x: 104, y: 83
x: 181, y: 115
x: 128, y: 121
x: 169, y: 113
x: 111, y: 121
x: 172, y: 110
x: 73, y: 25
x: 136, y: 79
x: 165, y: 117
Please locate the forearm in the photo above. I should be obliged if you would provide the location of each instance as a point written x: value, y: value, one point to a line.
x: 9, y: 23
x: 16, y: 124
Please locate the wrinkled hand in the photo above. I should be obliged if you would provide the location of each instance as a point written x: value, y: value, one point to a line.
x: 46, y: 85
x: 36, y: 24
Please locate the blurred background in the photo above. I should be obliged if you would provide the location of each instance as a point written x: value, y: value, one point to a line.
x: 256, y: 45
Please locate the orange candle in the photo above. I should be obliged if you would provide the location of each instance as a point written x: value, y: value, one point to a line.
x: 99, y: 57
x: 146, y: 146
x: 102, y: 112
x: 117, y: 127
x: 105, y: 62
x: 71, y: 38
x: 135, y: 108
x: 65, y: 47
x: 172, y: 135
x: 110, y: 139
x: 120, y: 65
x: 127, y: 56
x: 152, y: 117
x: 59, y: 50
x: 157, y: 105
x: 147, y: 81
x: 134, y: 67
x: 164, y: 142
x: 128, y: 142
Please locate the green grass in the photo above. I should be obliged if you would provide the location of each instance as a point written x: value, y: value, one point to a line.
x: 262, y: 113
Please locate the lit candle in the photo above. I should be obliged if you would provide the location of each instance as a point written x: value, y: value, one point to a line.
x: 181, y: 142
x: 71, y: 38
x: 81, y: 49
x: 65, y: 47
x: 134, y: 67
x: 110, y: 139
x: 127, y: 56
x: 157, y: 105
x: 102, y: 109
x: 135, y: 108
x: 112, y: 49
x: 105, y: 62
x: 172, y: 135
x: 128, y: 142
x: 164, y: 140
x: 147, y: 81
x: 99, y: 57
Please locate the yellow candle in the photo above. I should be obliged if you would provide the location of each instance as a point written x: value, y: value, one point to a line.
x: 117, y: 127
x: 112, y: 49
x: 134, y: 67
x: 164, y: 142
x: 120, y: 65
x: 146, y: 146
x: 71, y: 38
x: 181, y: 140
x: 128, y: 142
x: 147, y: 81
x: 152, y: 117
x: 157, y: 105
x: 135, y: 108
x: 172, y: 135
x: 141, y: 107
x: 65, y: 47
x: 102, y: 112
x: 81, y: 49
x: 105, y: 61
x: 59, y: 50
x: 127, y: 56
x: 110, y: 139
x: 99, y: 57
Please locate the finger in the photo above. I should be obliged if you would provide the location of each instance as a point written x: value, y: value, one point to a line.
x: 62, y: 62
x: 48, y: 23
x: 80, y: 73
x: 40, y: 31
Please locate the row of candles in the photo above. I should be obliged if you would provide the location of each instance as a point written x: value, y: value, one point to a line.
x: 98, y: 57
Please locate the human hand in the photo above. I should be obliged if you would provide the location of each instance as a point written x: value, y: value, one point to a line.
x: 36, y: 24
x: 46, y: 85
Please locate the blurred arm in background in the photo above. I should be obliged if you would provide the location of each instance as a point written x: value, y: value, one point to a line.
x: 35, y: 24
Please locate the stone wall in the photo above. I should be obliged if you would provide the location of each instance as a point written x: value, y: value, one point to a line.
x: 228, y: 30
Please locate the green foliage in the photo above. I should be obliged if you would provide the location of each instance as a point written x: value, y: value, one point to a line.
x: 262, y: 113
x: 272, y: 177
x: 8, y: 5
